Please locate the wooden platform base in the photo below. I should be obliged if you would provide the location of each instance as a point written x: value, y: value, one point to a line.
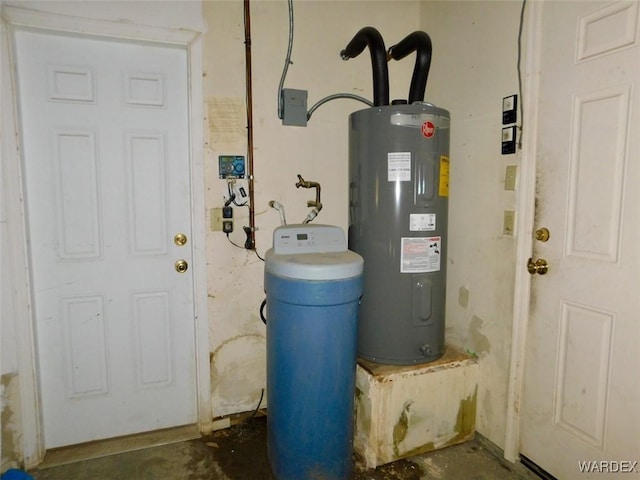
x: 402, y: 411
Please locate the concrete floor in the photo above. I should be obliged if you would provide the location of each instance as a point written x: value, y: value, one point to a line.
x: 240, y: 453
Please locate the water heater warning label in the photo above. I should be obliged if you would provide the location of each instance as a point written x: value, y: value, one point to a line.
x: 422, y: 222
x: 443, y: 187
x: 420, y: 255
x: 399, y: 166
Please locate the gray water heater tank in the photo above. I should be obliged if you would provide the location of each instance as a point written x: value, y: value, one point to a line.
x: 398, y: 217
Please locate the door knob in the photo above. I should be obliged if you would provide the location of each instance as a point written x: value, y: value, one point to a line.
x: 539, y: 266
x: 542, y: 234
x: 180, y: 239
x: 181, y: 266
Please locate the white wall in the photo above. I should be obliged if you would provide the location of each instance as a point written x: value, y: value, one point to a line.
x: 184, y: 14
x: 473, y: 68
x: 319, y: 152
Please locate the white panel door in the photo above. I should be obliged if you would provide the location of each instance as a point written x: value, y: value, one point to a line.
x: 106, y: 157
x: 581, y: 415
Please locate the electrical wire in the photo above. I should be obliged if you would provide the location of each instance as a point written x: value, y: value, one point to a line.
x: 243, y: 248
x: 520, y: 28
x: 234, y: 243
x: 287, y: 62
x: 334, y: 97
x: 262, y: 307
x: 233, y: 196
x: 256, y: 409
x: 285, y: 69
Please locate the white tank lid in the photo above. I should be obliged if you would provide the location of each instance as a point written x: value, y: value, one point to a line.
x: 312, y: 252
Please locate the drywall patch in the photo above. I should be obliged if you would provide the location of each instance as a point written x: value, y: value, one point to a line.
x: 463, y: 297
x: 238, y: 374
x: 480, y: 343
x: 226, y: 117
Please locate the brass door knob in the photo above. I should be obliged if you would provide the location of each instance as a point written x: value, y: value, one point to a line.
x: 542, y: 234
x: 181, y: 266
x: 539, y: 266
x: 180, y: 239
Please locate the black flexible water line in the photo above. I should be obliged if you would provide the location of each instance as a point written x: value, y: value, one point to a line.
x: 370, y: 37
x: 262, y: 306
x: 420, y: 43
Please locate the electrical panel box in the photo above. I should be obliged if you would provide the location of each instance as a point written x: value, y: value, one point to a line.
x: 231, y: 166
x: 294, y: 107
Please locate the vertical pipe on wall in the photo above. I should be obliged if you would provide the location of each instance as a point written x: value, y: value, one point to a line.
x: 251, y: 235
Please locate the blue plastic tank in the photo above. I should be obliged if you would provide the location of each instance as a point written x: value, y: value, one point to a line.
x: 313, y: 286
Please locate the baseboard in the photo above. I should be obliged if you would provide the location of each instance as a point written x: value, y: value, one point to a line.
x: 113, y: 446
x: 518, y: 468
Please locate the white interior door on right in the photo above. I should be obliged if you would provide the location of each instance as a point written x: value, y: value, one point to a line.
x: 581, y: 403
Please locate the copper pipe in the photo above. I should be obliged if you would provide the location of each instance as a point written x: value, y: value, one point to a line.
x: 317, y: 204
x: 251, y: 235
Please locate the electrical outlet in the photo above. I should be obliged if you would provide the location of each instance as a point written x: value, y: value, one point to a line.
x: 216, y: 219
x: 227, y: 226
x: 508, y: 222
x: 510, y: 176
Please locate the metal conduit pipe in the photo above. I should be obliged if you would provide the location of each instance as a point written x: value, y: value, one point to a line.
x: 370, y: 37
x: 420, y: 43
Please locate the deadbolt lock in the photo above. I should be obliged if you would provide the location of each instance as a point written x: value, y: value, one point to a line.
x: 180, y: 239
x: 181, y: 266
x: 542, y: 234
x: 539, y: 266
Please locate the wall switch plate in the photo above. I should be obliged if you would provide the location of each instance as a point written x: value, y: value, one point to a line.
x: 508, y: 222
x: 509, y: 140
x: 216, y: 219
x: 509, y: 109
x: 510, y: 177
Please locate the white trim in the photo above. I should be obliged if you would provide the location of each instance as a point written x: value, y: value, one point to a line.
x: 33, y: 441
x: 198, y: 232
x: 25, y: 17
x: 32, y: 446
x: 524, y: 243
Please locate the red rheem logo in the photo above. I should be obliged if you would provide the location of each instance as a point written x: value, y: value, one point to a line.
x: 428, y: 129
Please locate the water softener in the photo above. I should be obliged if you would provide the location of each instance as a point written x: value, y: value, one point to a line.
x: 398, y: 194
x: 313, y: 285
